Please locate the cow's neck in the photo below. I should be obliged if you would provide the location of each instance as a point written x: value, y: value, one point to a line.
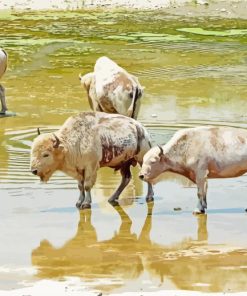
x: 176, y: 161
x: 69, y: 164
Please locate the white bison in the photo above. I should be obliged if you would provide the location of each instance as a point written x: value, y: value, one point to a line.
x: 112, y: 89
x: 3, y: 67
x: 85, y: 143
x: 198, y: 154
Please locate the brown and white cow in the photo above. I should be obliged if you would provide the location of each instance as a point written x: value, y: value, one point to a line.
x: 198, y: 154
x: 3, y: 68
x: 85, y: 143
x: 112, y: 89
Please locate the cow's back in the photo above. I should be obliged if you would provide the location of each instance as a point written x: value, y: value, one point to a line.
x: 222, y: 150
x: 225, y: 141
x: 122, y: 138
x: 114, y: 86
x: 111, y: 138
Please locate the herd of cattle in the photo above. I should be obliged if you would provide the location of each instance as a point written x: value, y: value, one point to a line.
x: 110, y: 136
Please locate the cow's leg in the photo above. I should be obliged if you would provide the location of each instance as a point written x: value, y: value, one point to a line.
x: 3, y: 100
x: 82, y: 194
x: 87, y: 201
x: 90, y: 174
x: 202, y: 186
x: 150, y: 194
x: 126, y: 177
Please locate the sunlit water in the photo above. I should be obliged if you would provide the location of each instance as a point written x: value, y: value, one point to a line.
x: 194, y: 71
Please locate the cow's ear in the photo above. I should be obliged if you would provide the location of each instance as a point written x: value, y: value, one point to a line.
x: 61, y: 147
x: 163, y: 158
x: 161, y: 154
x: 57, y: 143
x: 86, y: 80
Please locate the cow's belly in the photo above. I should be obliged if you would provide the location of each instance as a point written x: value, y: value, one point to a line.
x: 227, y: 170
x: 115, y: 158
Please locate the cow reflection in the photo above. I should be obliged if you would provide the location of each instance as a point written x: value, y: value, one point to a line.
x: 190, y: 264
x: 86, y: 257
x: 195, y: 265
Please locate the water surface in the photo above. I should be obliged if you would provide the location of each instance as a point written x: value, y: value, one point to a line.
x: 194, y: 73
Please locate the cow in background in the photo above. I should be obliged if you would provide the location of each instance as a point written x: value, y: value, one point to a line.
x: 112, y: 89
x: 3, y: 68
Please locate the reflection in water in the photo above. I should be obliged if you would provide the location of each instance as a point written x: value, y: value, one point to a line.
x: 3, y: 151
x: 84, y: 256
x: 190, y: 264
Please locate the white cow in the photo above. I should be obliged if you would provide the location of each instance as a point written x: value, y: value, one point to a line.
x: 112, y: 89
x: 3, y: 68
x: 198, y: 154
x: 85, y: 143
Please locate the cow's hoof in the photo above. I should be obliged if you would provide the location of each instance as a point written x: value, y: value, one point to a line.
x: 198, y: 212
x: 85, y: 206
x: 78, y: 204
x: 82, y: 206
x: 113, y: 202
x: 149, y: 199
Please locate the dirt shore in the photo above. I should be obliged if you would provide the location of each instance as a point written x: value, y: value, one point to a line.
x: 193, y: 8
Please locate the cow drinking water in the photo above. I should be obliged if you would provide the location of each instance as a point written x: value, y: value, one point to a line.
x: 198, y: 154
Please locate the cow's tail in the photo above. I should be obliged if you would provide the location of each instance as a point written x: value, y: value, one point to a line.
x: 132, y: 107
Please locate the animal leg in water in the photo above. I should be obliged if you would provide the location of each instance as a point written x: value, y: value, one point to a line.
x: 126, y: 177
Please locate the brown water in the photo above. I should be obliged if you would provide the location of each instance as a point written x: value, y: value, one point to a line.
x: 194, y: 71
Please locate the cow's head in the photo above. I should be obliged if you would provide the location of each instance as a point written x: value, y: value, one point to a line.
x: 155, y: 162
x: 47, y: 155
x: 86, y: 80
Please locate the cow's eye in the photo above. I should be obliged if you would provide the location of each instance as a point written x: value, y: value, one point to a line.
x: 45, y: 155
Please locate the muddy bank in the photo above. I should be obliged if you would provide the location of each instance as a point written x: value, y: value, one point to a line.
x: 193, y: 8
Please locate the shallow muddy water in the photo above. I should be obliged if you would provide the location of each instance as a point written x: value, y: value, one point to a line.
x: 194, y: 71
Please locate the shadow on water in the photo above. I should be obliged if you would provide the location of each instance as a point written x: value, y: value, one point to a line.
x: 190, y: 264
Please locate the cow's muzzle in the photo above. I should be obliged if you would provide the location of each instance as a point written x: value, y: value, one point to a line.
x: 141, y: 177
x: 34, y: 172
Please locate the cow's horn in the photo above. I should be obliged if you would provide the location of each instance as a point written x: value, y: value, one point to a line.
x: 38, y: 131
x: 161, y: 151
x: 56, y: 144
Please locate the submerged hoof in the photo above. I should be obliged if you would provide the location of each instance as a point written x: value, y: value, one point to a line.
x: 149, y: 199
x: 198, y: 212
x: 113, y: 202
x: 82, y: 206
x: 7, y: 113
